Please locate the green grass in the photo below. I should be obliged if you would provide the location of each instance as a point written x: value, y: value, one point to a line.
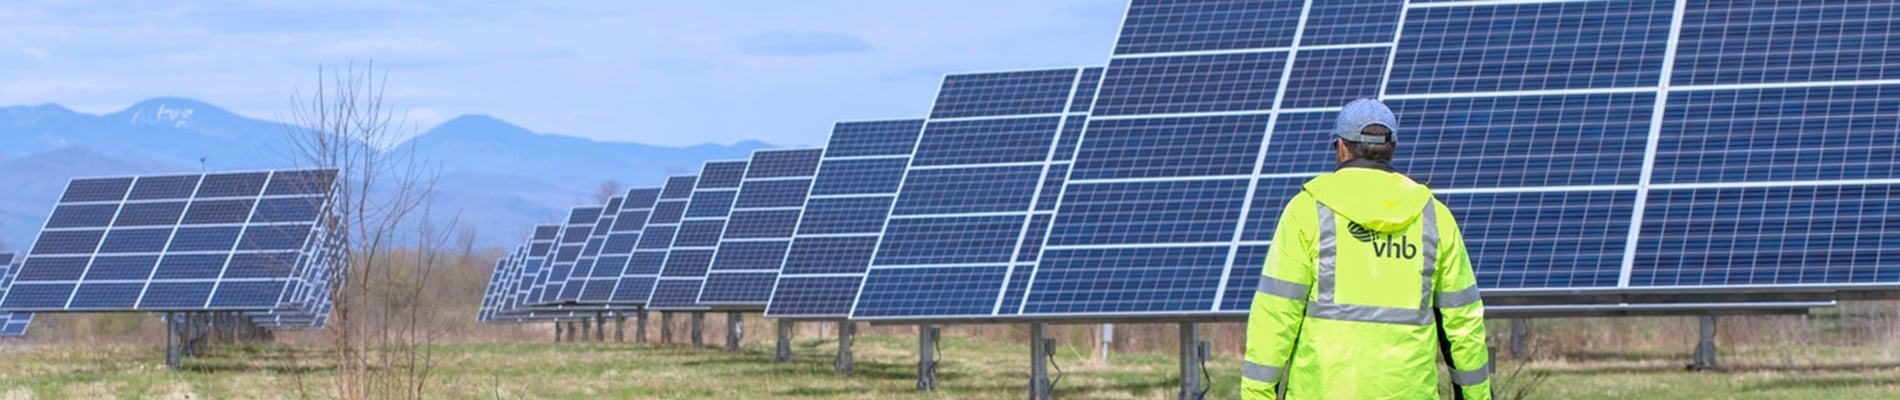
x: 973, y: 368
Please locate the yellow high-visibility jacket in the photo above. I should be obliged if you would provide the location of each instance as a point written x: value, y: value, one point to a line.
x: 1366, y: 284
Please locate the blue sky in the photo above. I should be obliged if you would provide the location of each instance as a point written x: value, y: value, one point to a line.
x: 671, y: 73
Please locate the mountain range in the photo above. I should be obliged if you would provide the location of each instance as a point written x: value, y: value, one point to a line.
x: 498, y: 178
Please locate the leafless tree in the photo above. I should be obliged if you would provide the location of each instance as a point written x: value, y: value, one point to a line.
x: 607, y: 190
x: 383, y: 210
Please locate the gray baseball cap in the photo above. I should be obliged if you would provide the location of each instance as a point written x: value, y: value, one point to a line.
x: 1359, y: 114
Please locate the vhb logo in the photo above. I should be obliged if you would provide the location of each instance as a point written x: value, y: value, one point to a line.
x: 1403, y: 249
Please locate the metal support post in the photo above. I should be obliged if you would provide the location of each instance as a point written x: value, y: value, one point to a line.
x: 735, y: 330
x: 1705, y: 349
x: 557, y: 332
x: 640, y: 326
x: 666, y: 327
x: 699, y: 329
x: 620, y: 327
x: 843, y: 364
x: 784, y: 353
x: 1108, y: 337
x: 172, y: 358
x: 1193, y: 357
x: 927, y: 337
x: 1039, y: 385
x: 600, y: 327
x: 1519, y: 330
x: 587, y: 325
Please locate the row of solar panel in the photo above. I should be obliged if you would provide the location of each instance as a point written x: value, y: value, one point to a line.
x: 1546, y: 125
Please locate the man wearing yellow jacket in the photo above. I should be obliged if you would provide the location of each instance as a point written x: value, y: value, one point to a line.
x: 1366, y: 285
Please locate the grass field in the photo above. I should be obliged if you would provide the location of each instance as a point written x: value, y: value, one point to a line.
x: 973, y: 368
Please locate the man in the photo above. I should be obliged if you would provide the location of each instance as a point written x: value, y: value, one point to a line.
x: 1366, y: 284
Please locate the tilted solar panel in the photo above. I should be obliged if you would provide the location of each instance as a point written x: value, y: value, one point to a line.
x: 1586, y: 146
x: 759, y: 232
x: 11, y: 323
x: 850, y: 199
x: 968, y: 197
x: 696, y: 240
x: 224, y: 241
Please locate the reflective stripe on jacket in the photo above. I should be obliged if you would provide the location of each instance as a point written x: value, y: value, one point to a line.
x: 1367, y: 283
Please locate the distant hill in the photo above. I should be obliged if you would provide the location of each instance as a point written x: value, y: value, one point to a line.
x: 498, y: 177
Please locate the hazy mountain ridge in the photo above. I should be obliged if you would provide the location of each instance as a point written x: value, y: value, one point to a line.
x: 499, y: 178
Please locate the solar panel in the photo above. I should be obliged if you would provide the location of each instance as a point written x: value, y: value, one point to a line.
x: 11, y: 324
x: 831, y: 247
x: 575, y: 248
x: 222, y: 241
x: 968, y: 197
x: 759, y: 232
x: 1584, y: 146
x: 629, y: 286
x: 696, y: 240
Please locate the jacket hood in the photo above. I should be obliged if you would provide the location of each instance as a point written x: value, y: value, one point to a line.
x: 1383, y: 201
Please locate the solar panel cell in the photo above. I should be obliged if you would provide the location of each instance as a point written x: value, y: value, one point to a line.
x: 713, y: 203
x: 301, y: 182
x: 82, y: 216
x: 950, y: 240
x: 1171, y: 279
x: 1531, y: 46
x: 783, y: 163
x: 816, y: 295
x: 139, y: 240
x: 845, y: 215
x: 176, y: 295
x: 1171, y: 147
x: 766, y: 194
x: 190, y: 266
x: 951, y: 292
x: 1748, y: 42
x: 205, y: 239
x: 830, y: 255
x: 1190, y: 84
x: 1160, y: 26
x: 106, y: 296
x: 763, y: 255
x: 873, y: 138
x: 112, y: 268
x: 1146, y: 212
x: 150, y: 214
x: 260, y: 265
x: 220, y: 212
x: 986, y: 141
x: 721, y: 175
x: 66, y: 242
x: 847, y: 177
x: 1350, y: 21
x: 163, y: 187
x: 102, y: 189
x: 1332, y: 77
x: 1004, y: 93
x: 761, y: 224
x: 699, y: 233
x: 1780, y: 134
x: 969, y: 190
x: 1520, y: 141
x: 244, y: 184
x: 737, y: 287
x: 1769, y: 236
